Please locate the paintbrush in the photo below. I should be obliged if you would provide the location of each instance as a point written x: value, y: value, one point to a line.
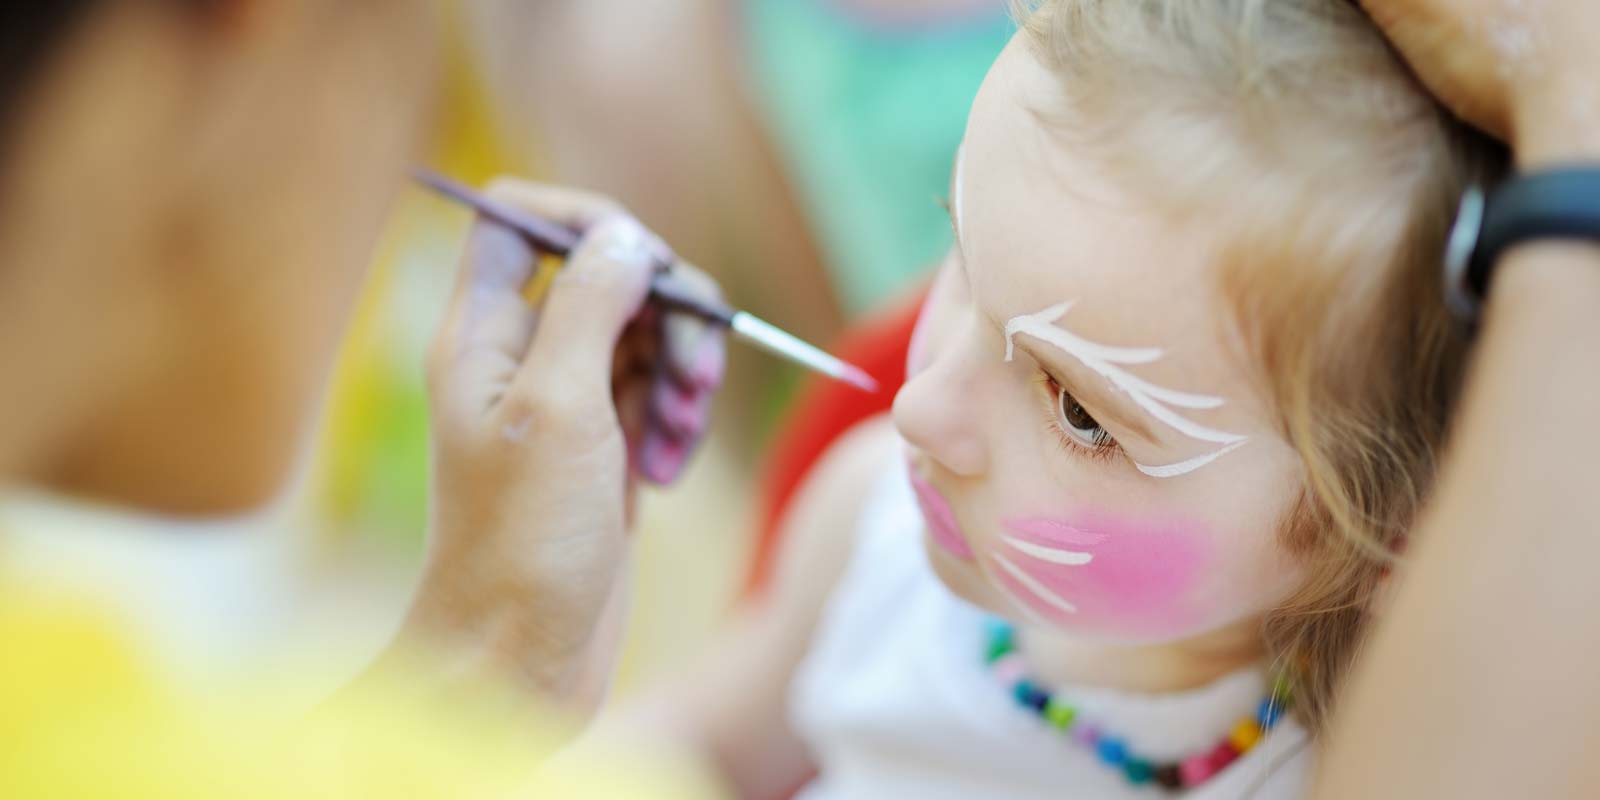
x: 559, y: 240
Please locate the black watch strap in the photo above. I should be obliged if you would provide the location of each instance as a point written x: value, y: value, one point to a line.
x: 1555, y: 203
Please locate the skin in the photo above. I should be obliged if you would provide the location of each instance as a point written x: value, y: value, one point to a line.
x: 173, y: 294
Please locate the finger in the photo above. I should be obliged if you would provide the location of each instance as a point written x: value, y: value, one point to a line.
x: 633, y: 413
x: 682, y: 412
x: 573, y: 208
x: 694, y: 350
x: 487, y: 328
x: 662, y: 456
x: 585, y: 311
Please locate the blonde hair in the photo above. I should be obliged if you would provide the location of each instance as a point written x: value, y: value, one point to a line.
x: 1290, y: 126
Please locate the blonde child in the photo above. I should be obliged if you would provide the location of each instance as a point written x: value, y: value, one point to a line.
x: 1175, y: 398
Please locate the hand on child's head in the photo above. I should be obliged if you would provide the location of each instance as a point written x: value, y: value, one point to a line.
x: 1516, y: 68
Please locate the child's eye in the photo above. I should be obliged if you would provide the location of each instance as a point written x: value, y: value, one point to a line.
x: 1076, y: 422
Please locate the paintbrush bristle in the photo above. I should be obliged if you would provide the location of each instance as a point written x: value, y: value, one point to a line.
x: 779, y: 342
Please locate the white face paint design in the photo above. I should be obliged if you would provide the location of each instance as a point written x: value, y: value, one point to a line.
x: 1157, y: 401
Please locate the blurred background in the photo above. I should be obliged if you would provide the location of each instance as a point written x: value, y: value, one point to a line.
x: 798, y: 150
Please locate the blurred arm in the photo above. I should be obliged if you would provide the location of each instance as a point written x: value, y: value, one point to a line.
x: 1480, y: 680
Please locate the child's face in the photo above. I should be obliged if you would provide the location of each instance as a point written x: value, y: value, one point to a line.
x: 1120, y: 476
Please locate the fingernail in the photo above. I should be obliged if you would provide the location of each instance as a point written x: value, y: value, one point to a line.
x: 629, y: 242
x: 661, y: 457
x: 500, y: 256
x: 711, y: 362
x: 681, y: 411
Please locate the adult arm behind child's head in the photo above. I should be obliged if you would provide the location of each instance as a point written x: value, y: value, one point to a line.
x: 1479, y: 680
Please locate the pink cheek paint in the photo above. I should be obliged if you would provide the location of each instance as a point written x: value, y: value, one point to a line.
x: 941, y: 521
x: 1102, y: 573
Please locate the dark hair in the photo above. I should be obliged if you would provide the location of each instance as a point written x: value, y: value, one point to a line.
x: 30, y: 32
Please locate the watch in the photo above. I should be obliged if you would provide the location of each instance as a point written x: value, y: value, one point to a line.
x: 1554, y: 203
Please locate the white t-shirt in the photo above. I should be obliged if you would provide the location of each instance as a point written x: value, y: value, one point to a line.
x: 896, y: 701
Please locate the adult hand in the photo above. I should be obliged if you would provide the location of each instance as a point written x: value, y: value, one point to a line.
x: 543, y: 412
x: 1523, y: 70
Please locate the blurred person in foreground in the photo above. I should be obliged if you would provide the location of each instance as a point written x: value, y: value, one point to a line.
x: 189, y: 191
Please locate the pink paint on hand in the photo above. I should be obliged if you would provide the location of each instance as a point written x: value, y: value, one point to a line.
x: 660, y: 458
x: 1102, y: 573
x: 942, y: 526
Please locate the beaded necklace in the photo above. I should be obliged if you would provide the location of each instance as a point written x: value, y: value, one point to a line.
x: 1112, y: 751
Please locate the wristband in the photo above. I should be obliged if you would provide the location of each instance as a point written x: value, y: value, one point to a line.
x: 1557, y: 203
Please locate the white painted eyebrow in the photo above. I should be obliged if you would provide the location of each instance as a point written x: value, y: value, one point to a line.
x: 1157, y: 401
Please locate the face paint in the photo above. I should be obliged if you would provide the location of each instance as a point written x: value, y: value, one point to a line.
x: 941, y: 521
x: 1188, y: 466
x: 1101, y: 573
x: 1157, y: 401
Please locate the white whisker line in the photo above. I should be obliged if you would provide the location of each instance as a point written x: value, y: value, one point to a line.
x: 1153, y: 399
x: 1185, y: 467
x: 1034, y: 586
x: 1071, y: 558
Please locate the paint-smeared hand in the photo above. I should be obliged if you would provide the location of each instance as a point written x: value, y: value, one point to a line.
x: 543, y: 412
x: 1521, y: 69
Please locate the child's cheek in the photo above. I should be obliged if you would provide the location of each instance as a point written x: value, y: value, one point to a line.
x: 1105, y: 575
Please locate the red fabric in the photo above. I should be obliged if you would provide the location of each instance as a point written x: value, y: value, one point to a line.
x: 824, y: 410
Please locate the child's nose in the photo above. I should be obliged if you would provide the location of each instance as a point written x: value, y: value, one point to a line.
x: 937, y: 411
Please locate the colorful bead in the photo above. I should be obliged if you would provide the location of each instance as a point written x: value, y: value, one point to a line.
x: 1245, y: 735
x: 1031, y: 696
x: 996, y: 625
x: 1000, y: 631
x: 996, y: 651
x: 1138, y: 771
x: 1166, y: 776
x: 1195, y: 770
x: 1222, y: 756
x: 1268, y: 714
x: 1112, y: 751
x: 1087, y: 736
x: 1059, y: 713
x: 1009, y: 669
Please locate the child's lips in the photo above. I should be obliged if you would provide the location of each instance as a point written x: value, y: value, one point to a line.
x: 942, y: 526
